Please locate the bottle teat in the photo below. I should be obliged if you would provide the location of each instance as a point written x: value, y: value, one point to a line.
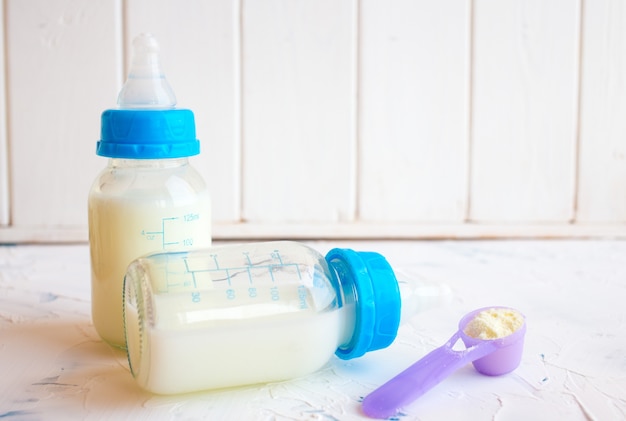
x: 419, y: 294
x: 146, y: 86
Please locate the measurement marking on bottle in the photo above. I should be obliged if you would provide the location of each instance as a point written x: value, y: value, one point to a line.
x: 241, y: 280
x: 275, y: 293
x: 167, y: 243
x: 231, y: 272
x: 302, y: 294
x: 193, y: 273
x: 191, y: 217
x: 276, y: 255
x: 151, y: 235
x: 252, y: 292
x: 169, y: 231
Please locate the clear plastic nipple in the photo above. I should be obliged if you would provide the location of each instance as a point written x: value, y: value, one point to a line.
x: 146, y: 86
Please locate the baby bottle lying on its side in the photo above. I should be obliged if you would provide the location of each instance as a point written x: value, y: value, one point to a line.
x: 253, y: 313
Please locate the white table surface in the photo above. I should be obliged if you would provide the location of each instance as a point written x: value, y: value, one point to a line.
x: 54, y: 366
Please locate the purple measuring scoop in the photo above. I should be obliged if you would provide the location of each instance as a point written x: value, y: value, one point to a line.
x: 492, y: 357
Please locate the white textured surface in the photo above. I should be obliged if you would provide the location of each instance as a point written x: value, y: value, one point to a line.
x: 53, y: 365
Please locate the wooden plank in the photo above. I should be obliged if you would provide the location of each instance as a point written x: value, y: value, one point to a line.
x: 243, y: 232
x: 299, y: 94
x: 524, y: 109
x: 413, y: 110
x: 200, y: 56
x: 602, y: 170
x: 62, y: 64
x: 5, y: 216
x: 417, y: 231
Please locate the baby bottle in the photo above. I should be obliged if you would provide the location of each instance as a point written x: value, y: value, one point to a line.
x: 148, y: 198
x: 253, y: 313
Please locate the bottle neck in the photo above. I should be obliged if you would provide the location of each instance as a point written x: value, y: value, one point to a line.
x: 347, y: 300
x: 348, y: 307
x: 147, y: 163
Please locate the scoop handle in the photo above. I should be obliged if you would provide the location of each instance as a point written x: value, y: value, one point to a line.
x: 416, y: 380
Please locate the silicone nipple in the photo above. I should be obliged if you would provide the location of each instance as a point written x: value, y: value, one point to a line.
x: 146, y: 86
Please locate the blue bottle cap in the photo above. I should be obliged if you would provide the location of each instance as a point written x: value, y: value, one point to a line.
x: 377, y: 299
x: 148, y: 134
x: 147, y: 126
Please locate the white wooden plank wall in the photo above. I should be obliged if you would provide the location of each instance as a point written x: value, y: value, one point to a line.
x: 299, y: 99
x: 524, y: 110
x: 61, y: 63
x: 602, y: 159
x: 334, y: 118
x: 4, y: 148
x: 414, y: 111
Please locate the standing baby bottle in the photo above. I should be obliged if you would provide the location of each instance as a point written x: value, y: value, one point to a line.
x: 253, y: 313
x: 148, y: 198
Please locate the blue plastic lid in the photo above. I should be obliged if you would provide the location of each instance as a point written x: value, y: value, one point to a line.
x: 377, y: 299
x: 148, y: 134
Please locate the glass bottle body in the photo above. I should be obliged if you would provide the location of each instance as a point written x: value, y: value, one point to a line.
x: 233, y: 315
x: 135, y: 207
